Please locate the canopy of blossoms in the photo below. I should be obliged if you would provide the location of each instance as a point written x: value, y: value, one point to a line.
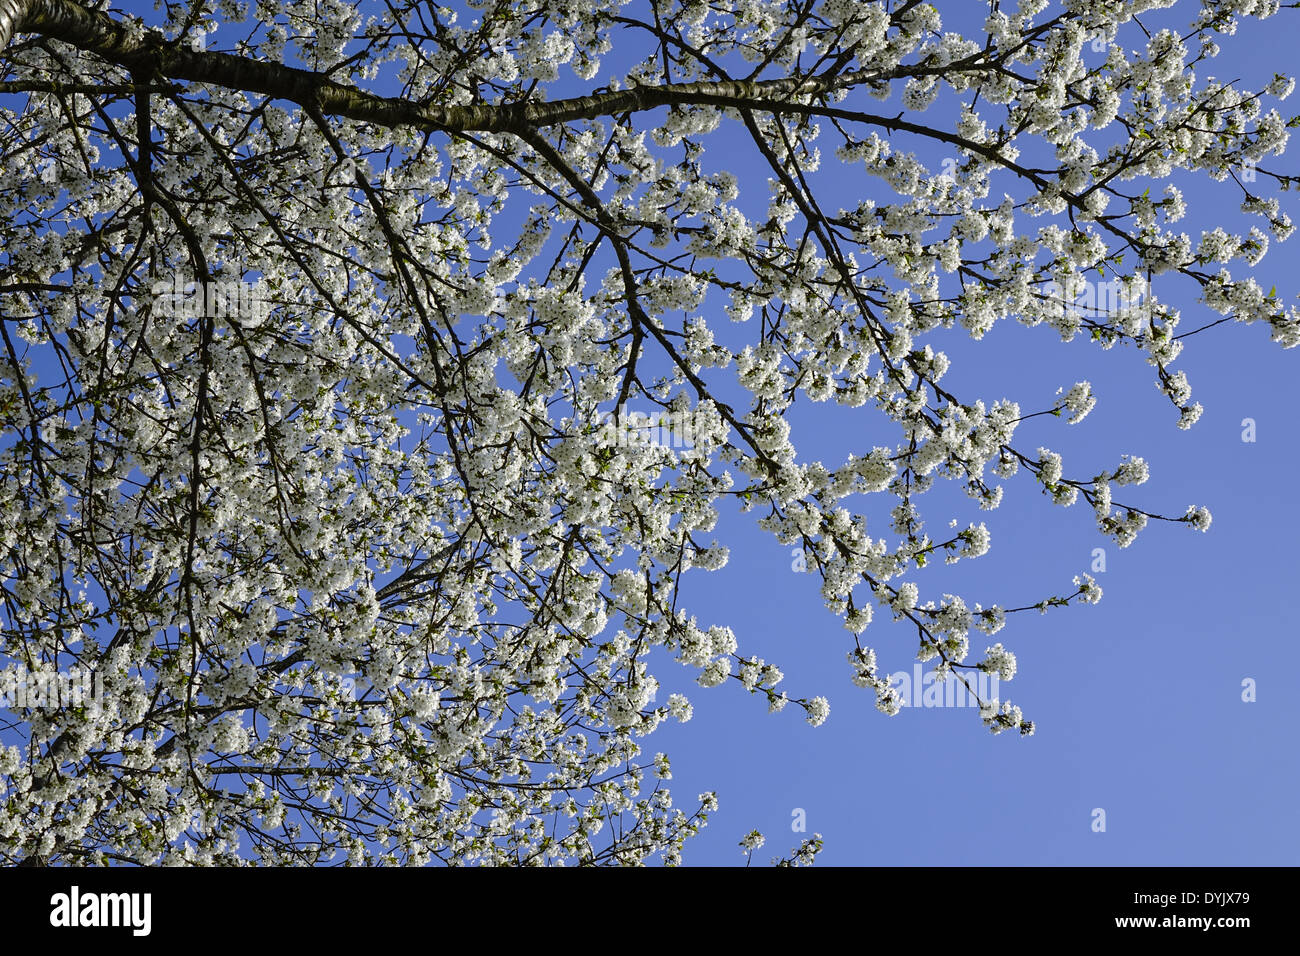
x: 321, y: 324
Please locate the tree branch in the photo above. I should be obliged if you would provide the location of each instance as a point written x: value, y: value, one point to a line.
x: 152, y: 55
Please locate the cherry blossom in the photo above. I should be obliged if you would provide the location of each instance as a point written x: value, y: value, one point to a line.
x: 324, y: 323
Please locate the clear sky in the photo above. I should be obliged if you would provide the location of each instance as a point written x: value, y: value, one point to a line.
x: 1138, y: 700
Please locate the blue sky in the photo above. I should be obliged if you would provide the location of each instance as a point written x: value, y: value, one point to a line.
x: 1137, y: 701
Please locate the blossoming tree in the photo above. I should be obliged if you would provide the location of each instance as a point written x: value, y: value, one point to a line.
x: 321, y: 326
